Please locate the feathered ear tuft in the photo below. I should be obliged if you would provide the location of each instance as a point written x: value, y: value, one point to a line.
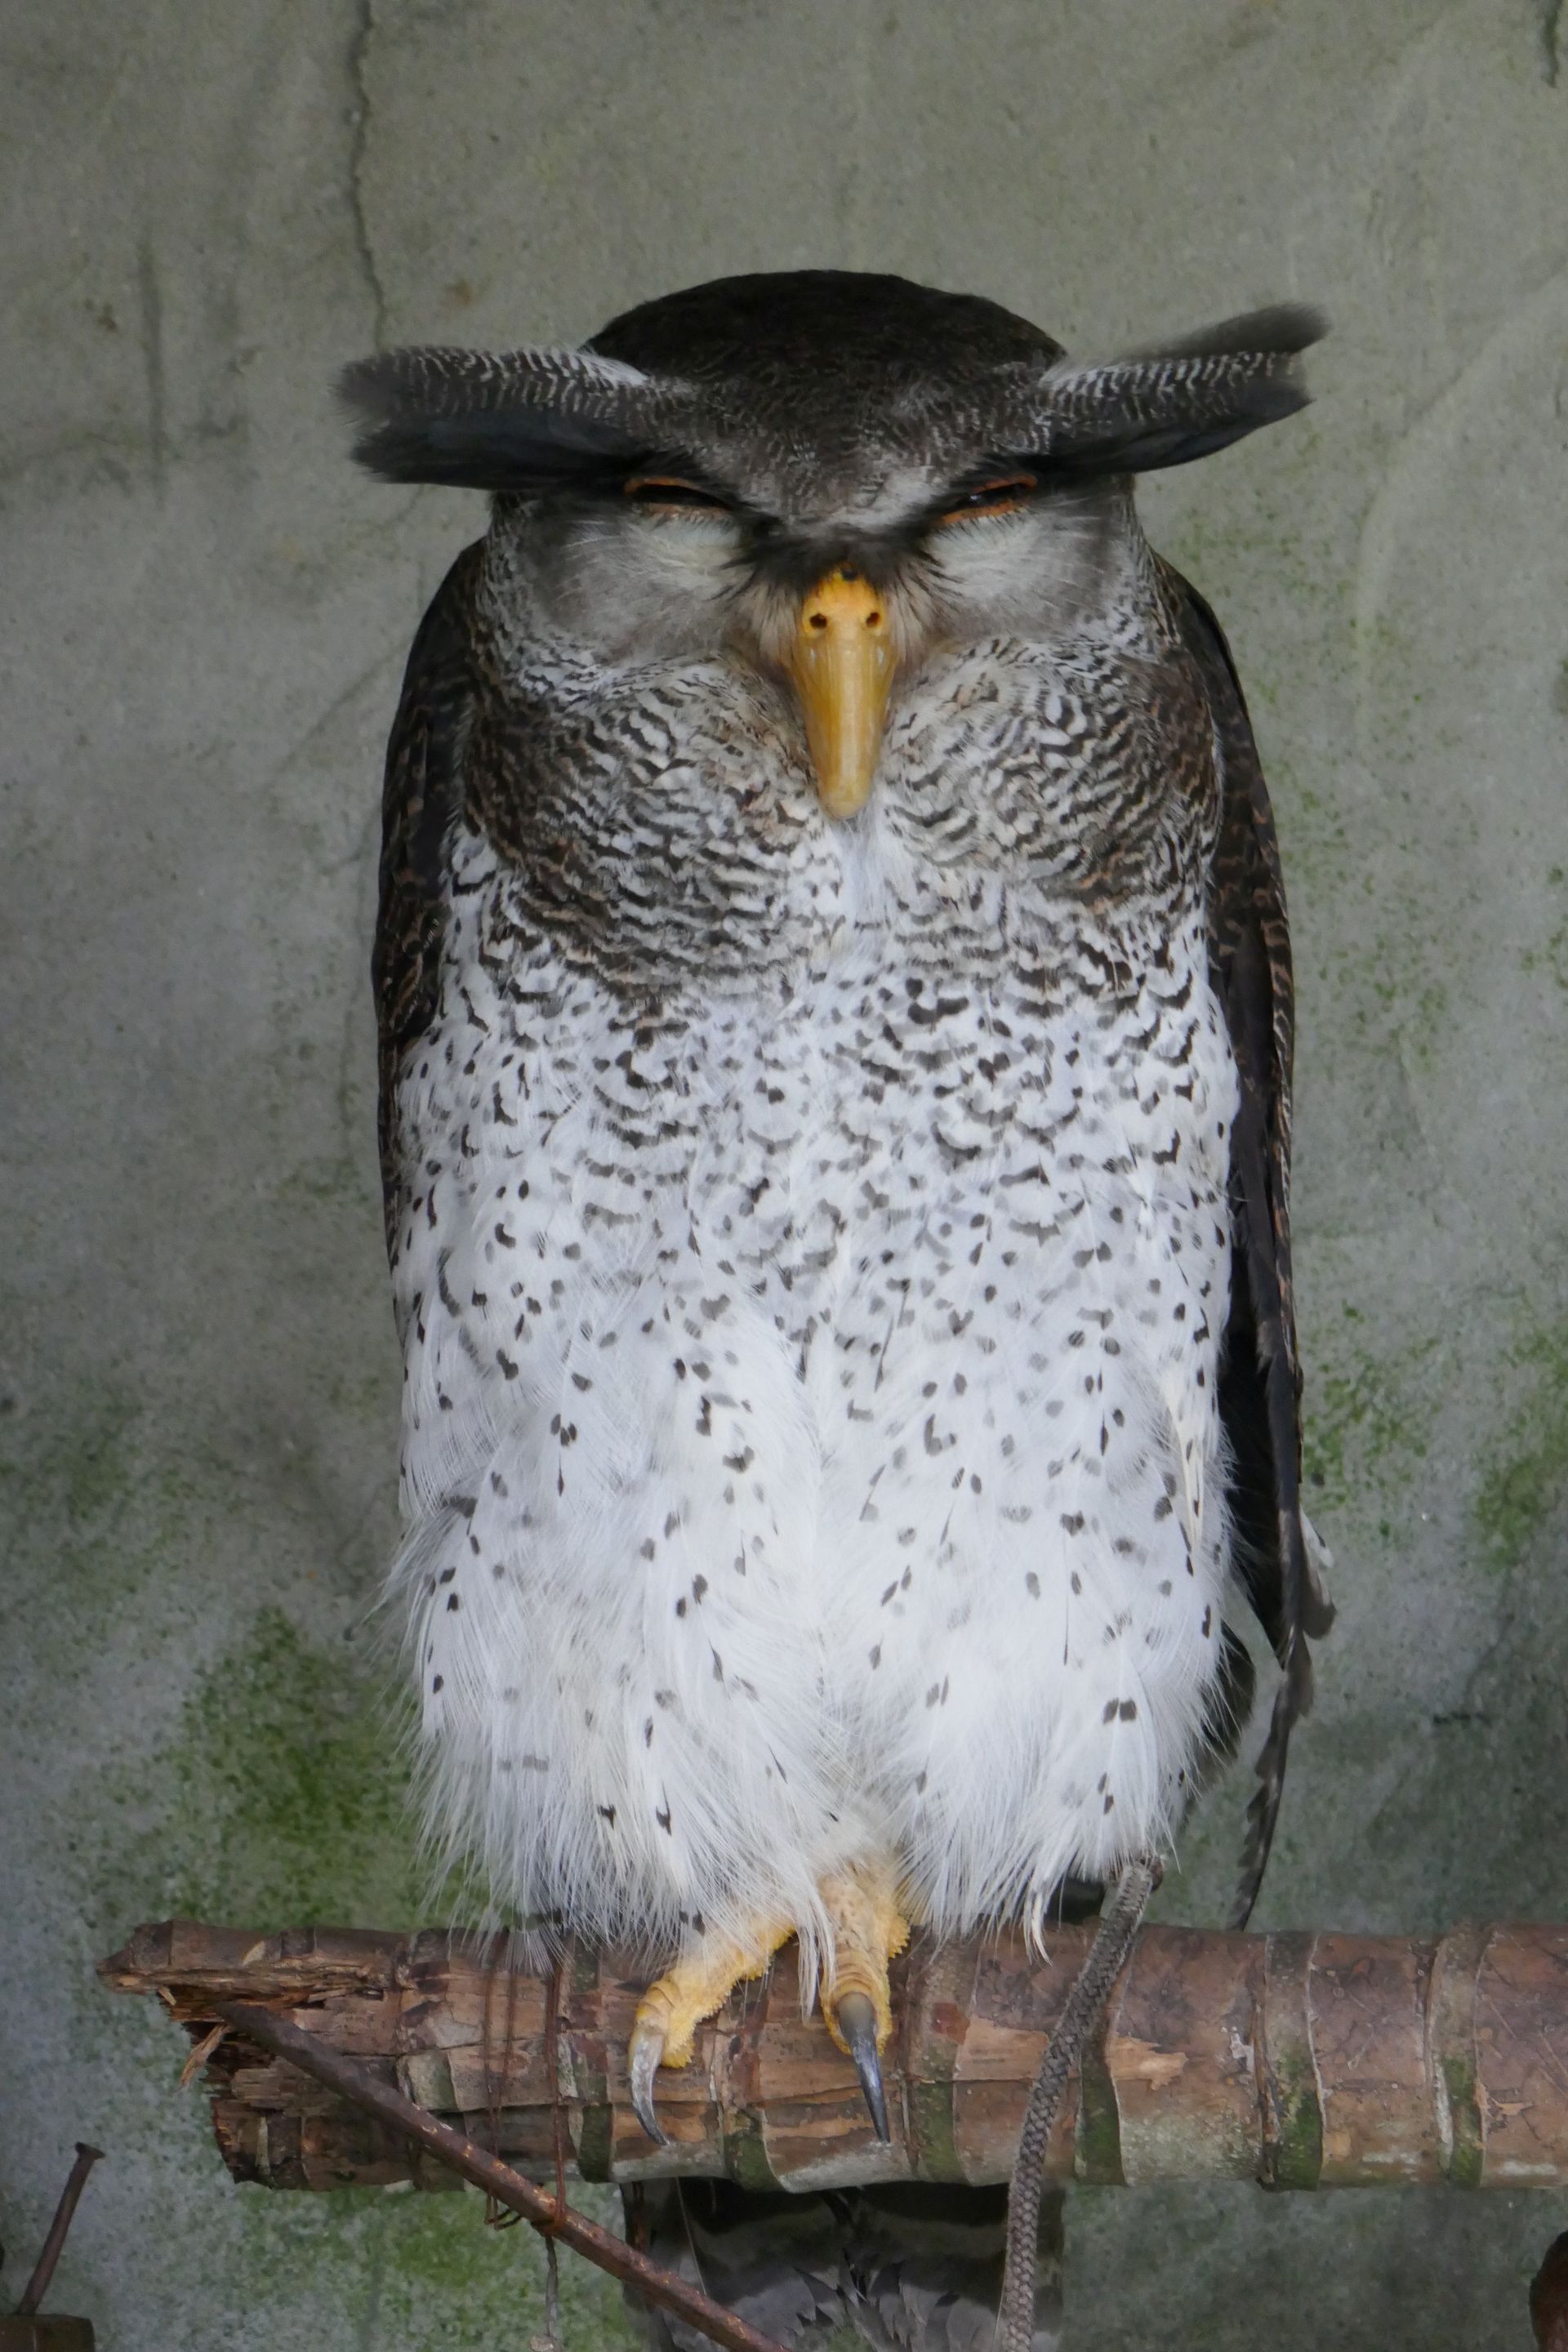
x: 501, y: 421
x: 1181, y: 401
x: 1284, y: 327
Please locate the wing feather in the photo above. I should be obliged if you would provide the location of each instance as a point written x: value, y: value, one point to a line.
x: 421, y: 796
x: 1260, y: 1389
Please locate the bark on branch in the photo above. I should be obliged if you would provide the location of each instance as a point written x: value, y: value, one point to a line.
x: 1303, y: 2060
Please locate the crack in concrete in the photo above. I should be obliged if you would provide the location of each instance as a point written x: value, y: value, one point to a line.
x: 1550, y: 40
x: 151, y: 301
x: 360, y: 113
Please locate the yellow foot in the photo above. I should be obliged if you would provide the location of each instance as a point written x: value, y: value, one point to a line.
x: 868, y: 1929
x: 697, y: 1987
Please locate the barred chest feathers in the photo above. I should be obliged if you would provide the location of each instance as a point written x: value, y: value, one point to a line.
x: 827, y: 1229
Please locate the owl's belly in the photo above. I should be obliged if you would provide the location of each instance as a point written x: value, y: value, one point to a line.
x: 811, y: 1432
x: 1015, y: 1390
x: 1022, y: 1509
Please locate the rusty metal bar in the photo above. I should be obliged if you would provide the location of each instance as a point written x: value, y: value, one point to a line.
x: 350, y: 2079
x: 1303, y: 2060
x: 44, y: 2269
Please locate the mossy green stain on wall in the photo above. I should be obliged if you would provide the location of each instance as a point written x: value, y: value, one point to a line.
x: 449, y: 2280
x: 1364, y: 1421
x: 287, y: 1790
x: 1528, y: 1479
x: 92, y: 1510
x: 416, y: 2274
x: 280, y: 1801
x: 276, y: 1796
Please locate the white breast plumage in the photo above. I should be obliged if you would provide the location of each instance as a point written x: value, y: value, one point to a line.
x: 811, y: 1429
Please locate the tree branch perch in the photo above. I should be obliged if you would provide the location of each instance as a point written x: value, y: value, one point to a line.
x: 1302, y: 2061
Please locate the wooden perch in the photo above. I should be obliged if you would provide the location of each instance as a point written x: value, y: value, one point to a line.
x: 1302, y: 2061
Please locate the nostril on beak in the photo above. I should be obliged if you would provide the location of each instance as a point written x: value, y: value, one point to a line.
x: 842, y: 661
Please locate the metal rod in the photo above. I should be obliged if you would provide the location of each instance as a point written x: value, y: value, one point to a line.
x: 37, y: 2286
x: 356, y: 2082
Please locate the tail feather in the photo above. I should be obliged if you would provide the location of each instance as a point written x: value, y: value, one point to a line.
x: 915, y: 2267
x: 773, y: 2259
x: 924, y: 2267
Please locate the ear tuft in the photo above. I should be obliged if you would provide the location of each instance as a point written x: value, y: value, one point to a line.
x: 1179, y: 401
x: 500, y: 421
x: 1284, y: 327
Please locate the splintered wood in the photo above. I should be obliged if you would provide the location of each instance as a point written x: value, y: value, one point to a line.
x: 1302, y: 2061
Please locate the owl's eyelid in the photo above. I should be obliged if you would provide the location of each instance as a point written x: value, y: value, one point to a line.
x: 689, y: 493
x: 1002, y: 491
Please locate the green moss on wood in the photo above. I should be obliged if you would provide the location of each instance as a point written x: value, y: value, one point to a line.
x: 1298, y: 2153
x: 1098, y: 2157
x: 1464, y: 2164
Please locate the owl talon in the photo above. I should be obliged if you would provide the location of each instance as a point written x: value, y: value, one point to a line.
x: 697, y: 1987
x: 867, y: 1928
x: 642, y: 2065
x: 858, y: 2025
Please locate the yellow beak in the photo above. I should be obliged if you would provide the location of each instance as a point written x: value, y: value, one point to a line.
x: 842, y: 665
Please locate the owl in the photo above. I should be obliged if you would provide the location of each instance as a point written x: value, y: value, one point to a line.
x: 835, y: 1031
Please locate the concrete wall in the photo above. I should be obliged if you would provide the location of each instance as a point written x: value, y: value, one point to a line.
x: 208, y: 211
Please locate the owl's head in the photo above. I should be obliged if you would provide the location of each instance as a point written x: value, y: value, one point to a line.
x: 825, y: 474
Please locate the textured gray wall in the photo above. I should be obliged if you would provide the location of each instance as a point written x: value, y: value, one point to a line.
x: 206, y: 613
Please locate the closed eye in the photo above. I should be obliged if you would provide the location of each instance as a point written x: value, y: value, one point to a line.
x: 672, y: 494
x: 1005, y: 496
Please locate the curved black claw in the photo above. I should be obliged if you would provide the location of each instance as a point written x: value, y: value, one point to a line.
x: 646, y: 2050
x: 858, y: 2025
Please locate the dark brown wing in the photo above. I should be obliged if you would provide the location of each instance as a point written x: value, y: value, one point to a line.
x: 421, y: 794
x: 1260, y: 1385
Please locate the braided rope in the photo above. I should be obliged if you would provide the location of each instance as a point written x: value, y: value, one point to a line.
x: 1113, y: 1941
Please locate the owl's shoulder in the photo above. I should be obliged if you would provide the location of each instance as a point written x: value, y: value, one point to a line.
x: 421, y: 796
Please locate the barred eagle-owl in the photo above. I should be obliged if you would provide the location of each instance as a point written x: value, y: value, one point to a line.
x: 835, y: 1025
